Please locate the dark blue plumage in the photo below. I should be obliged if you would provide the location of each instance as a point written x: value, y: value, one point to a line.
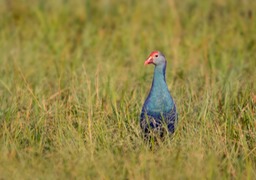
x: 159, y: 108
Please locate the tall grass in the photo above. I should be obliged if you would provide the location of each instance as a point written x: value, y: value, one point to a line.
x: 72, y: 83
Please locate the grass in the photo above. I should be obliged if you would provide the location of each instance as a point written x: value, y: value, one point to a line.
x: 72, y: 84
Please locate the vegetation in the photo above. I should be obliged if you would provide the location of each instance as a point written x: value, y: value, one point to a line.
x: 72, y: 84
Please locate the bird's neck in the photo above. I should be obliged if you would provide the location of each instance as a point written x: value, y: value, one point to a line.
x: 159, y: 76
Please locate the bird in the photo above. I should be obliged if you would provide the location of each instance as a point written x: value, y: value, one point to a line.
x: 159, y: 112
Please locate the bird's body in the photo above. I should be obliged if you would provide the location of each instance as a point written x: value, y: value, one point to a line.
x: 159, y: 109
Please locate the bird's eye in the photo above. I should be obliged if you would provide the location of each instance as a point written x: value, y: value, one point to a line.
x: 156, y: 55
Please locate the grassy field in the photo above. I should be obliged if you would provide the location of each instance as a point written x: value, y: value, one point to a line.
x: 72, y: 84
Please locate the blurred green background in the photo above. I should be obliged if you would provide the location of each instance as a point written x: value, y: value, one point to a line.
x: 72, y: 84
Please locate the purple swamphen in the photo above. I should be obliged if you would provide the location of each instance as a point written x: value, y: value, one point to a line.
x: 159, y: 110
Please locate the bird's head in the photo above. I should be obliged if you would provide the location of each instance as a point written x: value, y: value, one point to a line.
x: 156, y: 58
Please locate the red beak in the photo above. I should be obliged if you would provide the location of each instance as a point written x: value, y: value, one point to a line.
x: 149, y: 61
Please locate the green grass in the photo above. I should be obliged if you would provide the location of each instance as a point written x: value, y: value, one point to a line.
x: 72, y: 84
